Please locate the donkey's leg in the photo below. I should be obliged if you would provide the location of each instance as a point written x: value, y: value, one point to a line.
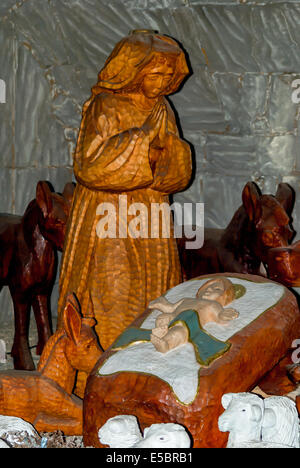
x: 20, y: 350
x: 43, y: 321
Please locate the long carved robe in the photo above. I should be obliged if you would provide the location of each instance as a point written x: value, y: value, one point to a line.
x: 115, y: 278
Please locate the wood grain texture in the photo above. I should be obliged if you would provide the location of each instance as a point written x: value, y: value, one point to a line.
x: 44, y: 397
x: 128, y: 146
x: 284, y: 265
x: 28, y: 264
x: 261, y: 223
x: 254, y: 351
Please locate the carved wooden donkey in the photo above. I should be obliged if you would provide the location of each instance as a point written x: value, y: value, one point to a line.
x: 284, y: 264
x: 262, y: 222
x: 28, y: 264
x: 44, y: 397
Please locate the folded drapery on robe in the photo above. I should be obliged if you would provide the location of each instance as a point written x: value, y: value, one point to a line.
x: 115, y: 278
x: 121, y: 275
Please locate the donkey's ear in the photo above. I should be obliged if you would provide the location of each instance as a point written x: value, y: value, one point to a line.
x: 72, y: 318
x: 68, y: 192
x: 251, y: 201
x: 286, y: 196
x: 44, y: 198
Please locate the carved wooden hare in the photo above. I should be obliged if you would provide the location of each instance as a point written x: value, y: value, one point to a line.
x: 44, y: 397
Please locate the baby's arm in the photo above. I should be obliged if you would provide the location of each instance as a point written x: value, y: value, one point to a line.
x: 212, y: 311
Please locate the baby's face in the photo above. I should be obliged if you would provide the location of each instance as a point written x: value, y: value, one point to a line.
x: 213, y: 292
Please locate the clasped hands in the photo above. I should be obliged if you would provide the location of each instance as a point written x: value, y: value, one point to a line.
x: 155, y: 127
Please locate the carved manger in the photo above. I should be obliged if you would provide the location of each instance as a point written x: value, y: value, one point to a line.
x: 185, y: 385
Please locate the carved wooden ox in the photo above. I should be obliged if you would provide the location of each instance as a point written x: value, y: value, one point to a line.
x: 262, y: 222
x: 28, y: 264
x: 44, y: 397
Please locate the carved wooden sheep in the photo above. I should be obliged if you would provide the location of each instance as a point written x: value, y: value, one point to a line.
x: 120, y: 432
x: 123, y: 432
x: 3, y: 444
x: 17, y: 433
x: 242, y: 417
x: 257, y: 423
x: 280, y: 422
x: 167, y: 435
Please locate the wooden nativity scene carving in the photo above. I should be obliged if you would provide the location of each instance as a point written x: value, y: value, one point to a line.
x: 153, y: 339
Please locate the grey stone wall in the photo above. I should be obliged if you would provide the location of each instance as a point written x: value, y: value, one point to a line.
x: 235, y: 109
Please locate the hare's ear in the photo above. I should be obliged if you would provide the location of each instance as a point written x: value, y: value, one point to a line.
x: 68, y: 192
x: 72, y: 318
x: 44, y: 197
x: 251, y: 201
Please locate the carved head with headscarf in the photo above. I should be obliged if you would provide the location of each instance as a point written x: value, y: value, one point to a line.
x: 138, y: 55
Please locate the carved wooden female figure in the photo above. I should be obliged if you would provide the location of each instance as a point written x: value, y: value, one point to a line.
x: 128, y: 152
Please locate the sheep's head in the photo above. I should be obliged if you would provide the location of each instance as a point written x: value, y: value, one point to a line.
x: 243, y: 412
x: 120, y: 432
x: 167, y: 435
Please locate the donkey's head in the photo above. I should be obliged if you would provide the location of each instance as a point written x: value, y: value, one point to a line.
x: 55, y: 209
x: 269, y: 217
x: 82, y: 349
x: 284, y: 264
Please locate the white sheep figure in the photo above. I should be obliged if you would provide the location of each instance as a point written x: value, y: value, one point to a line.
x: 167, y: 435
x: 280, y: 422
x: 242, y: 417
x: 3, y: 444
x: 121, y: 431
x: 16, y: 432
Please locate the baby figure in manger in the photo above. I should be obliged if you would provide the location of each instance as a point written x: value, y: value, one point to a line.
x: 210, y: 302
